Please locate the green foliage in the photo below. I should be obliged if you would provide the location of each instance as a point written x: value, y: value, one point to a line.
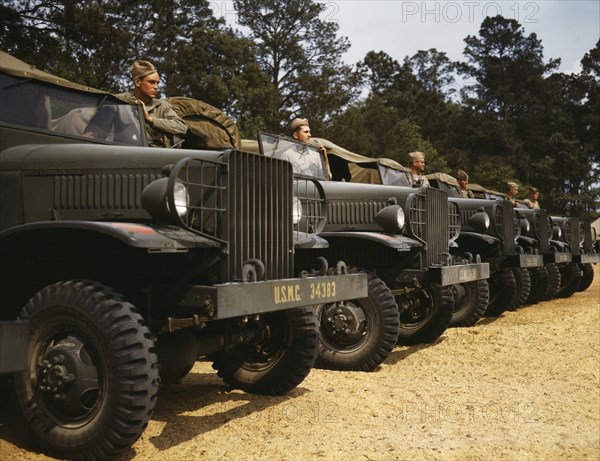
x: 520, y: 121
x: 302, y: 55
x: 373, y: 129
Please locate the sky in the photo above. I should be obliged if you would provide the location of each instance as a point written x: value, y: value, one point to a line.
x: 567, y: 29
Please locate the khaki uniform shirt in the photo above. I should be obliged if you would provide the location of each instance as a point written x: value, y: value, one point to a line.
x: 466, y: 193
x: 531, y: 203
x: 166, y: 121
x: 304, y: 161
x: 417, y: 180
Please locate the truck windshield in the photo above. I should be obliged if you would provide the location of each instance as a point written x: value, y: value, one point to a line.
x: 305, y: 159
x: 63, y: 111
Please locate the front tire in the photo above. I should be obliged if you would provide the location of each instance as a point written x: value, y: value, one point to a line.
x: 570, y: 276
x: 92, y: 378
x: 503, y: 292
x: 554, y: 281
x: 539, y: 284
x: 359, y: 334
x: 424, y: 314
x: 470, y: 302
x: 279, y: 360
x: 587, y: 276
x: 523, y: 287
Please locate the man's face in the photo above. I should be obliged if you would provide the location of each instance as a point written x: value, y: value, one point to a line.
x: 463, y: 183
x: 148, y: 86
x: 419, y: 166
x: 512, y: 191
x: 302, y: 134
x: 534, y: 195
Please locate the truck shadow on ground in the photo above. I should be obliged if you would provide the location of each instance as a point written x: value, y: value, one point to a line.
x: 203, y: 403
x: 402, y: 352
x: 200, y: 404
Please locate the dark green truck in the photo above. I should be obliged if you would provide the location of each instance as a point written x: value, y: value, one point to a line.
x: 125, y: 264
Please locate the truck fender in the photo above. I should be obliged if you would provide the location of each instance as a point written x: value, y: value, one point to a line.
x: 397, y: 242
x: 152, y: 238
x: 489, y: 239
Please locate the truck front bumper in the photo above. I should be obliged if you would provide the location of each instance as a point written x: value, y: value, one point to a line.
x: 525, y: 260
x: 452, y: 275
x: 445, y: 275
x: 558, y: 258
x: 230, y: 300
x: 587, y: 259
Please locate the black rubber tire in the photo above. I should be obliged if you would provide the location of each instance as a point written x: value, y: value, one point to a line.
x: 373, y: 338
x: 279, y: 361
x: 503, y: 291
x: 554, y: 281
x: 89, y: 347
x: 470, y: 302
x: 570, y: 279
x: 587, y: 276
x: 539, y: 284
x: 523, y: 280
x: 424, y: 314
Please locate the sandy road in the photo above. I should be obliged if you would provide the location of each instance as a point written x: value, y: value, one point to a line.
x: 524, y: 386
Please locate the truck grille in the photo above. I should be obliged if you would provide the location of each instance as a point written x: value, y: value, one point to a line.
x: 504, y: 222
x: 429, y: 222
x: 258, y: 220
x: 588, y: 237
x: 576, y: 235
x: 567, y: 237
x: 543, y: 230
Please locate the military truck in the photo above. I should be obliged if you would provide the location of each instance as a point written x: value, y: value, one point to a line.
x: 565, y: 244
x: 573, y: 236
x: 400, y: 237
x: 588, y: 255
x: 497, y: 243
x: 126, y: 264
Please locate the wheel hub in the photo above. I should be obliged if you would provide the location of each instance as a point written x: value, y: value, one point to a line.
x: 414, y: 307
x: 345, y: 322
x: 67, y: 378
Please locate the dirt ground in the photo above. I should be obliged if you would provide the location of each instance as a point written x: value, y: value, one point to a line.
x: 524, y: 386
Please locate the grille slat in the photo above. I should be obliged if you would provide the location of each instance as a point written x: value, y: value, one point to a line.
x: 110, y: 192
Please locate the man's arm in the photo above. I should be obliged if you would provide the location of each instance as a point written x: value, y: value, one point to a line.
x: 166, y: 120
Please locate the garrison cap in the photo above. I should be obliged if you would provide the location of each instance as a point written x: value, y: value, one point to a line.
x: 416, y: 157
x: 511, y: 184
x: 297, y: 123
x: 534, y: 190
x: 142, y: 69
x: 461, y: 174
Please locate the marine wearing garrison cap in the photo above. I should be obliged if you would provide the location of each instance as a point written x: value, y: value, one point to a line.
x: 415, y: 177
x: 463, y: 180
x: 532, y: 201
x: 512, y: 189
x: 162, y: 122
x: 302, y: 159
